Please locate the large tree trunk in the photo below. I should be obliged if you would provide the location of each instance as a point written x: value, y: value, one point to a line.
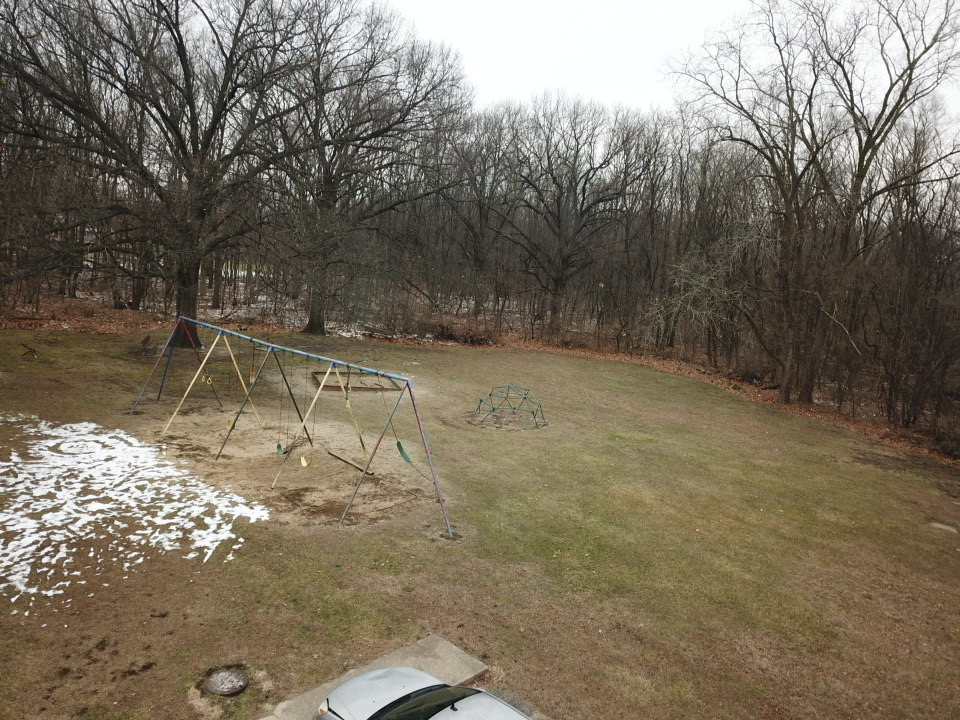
x: 188, y: 279
x: 553, y: 315
x: 809, y: 367
x: 555, y: 306
x: 317, y: 304
x: 138, y: 292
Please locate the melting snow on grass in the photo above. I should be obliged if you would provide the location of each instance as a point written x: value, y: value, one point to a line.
x: 82, y: 497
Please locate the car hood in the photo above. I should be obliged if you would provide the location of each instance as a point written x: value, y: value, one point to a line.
x: 360, y: 697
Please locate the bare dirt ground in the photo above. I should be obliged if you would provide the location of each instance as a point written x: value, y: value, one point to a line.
x: 312, y: 486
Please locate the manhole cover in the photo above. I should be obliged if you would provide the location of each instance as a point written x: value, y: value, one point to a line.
x: 225, y: 681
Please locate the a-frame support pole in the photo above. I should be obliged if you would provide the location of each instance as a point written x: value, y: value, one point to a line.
x: 166, y: 366
x: 363, y: 473
x: 143, y: 390
x: 294, y: 398
x: 246, y: 398
x: 426, y: 447
x: 192, y: 382
x: 196, y: 351
x: 346, y: 400
x: 180, y: 325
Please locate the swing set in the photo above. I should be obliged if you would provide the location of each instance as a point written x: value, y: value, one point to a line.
x: 332, y: 379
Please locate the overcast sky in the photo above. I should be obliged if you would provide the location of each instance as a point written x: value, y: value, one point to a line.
x: 611, y: 51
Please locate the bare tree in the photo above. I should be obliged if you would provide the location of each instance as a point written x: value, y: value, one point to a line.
x: 483, y: 195
x: 564, y: 153
x: 817, y: 97
x: 172, y: 97
x: 635, y: 265
x: 911, y: 283
x: 373, y: 95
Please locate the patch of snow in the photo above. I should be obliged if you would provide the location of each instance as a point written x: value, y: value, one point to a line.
x: 79, y: 484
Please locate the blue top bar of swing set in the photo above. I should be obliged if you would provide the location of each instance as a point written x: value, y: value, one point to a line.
x: 272, y: 346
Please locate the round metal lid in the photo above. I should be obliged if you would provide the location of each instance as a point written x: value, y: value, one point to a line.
x: 226, y: 681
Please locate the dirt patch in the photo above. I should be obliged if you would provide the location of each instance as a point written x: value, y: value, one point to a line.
x: 303, y: 484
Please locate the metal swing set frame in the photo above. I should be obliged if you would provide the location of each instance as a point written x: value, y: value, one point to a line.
x: 403, y: 384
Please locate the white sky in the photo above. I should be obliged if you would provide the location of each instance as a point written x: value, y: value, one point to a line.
x: 611, y: 51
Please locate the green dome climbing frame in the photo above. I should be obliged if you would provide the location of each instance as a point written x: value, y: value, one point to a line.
x: 510, y: 405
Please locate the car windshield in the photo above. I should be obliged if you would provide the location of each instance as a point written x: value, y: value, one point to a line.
x: 421, y: 706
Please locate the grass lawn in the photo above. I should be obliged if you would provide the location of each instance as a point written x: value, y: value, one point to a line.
x: 661, y: 549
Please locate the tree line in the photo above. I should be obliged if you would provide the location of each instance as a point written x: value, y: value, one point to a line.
x: 794, y: 220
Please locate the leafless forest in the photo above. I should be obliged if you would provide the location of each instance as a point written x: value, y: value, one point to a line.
x: 794, y: 221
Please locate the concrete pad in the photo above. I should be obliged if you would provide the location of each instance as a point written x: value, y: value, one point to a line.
x: 433, y: 654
